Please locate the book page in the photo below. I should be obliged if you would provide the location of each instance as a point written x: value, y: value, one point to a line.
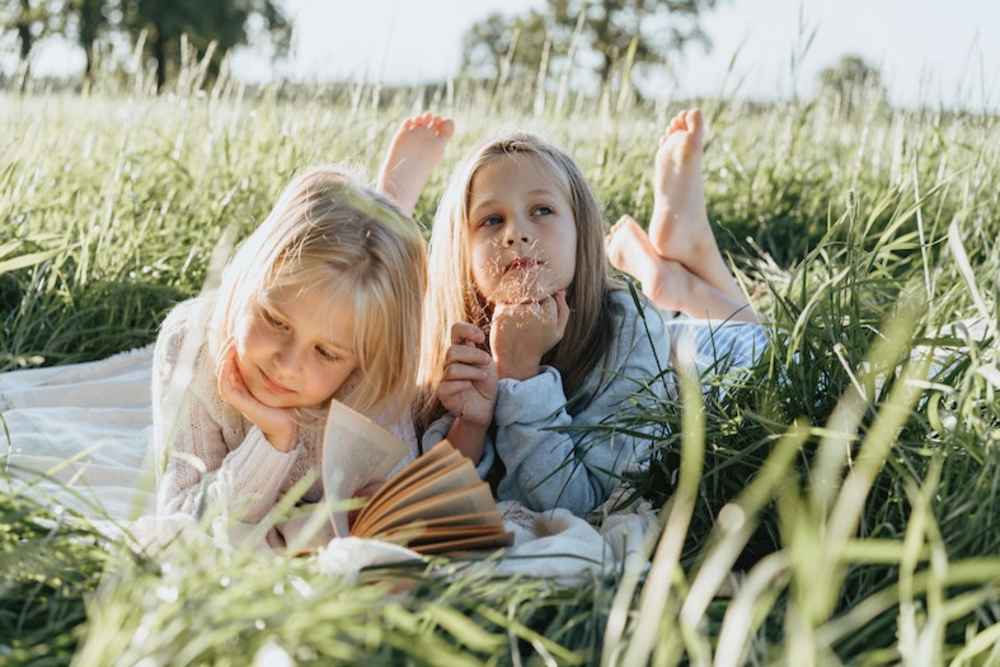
x: 483, y: 542
x: 491, y: 519
x: 473, y: 499
x: 431, y: 463
x: 399, y: 485
x: 459, y: 475
x: 407, y: 535
x: 356, y: 451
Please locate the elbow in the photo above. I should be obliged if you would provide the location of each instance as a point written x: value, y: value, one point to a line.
x: 580, y: 499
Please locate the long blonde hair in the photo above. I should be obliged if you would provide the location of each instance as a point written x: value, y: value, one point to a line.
x: 330, y: 231
x: 452, y: 295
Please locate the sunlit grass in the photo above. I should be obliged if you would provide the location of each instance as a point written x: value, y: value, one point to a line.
x: 842, y: 494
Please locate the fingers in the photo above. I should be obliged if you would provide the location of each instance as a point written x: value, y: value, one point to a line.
x: 453, y: 395
x: 552, y: 311
x: 466, y: 354
x: 463, y: 332
x: 226, y: 380
x: 464, y: 372
x: 231, y: 386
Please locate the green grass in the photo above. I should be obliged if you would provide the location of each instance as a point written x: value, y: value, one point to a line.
x: 856, y: 500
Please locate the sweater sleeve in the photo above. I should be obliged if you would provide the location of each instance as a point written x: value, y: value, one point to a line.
x: 718, y: 347
x: 438, y: 431
x: 197, y: 464
x: 549, y: 462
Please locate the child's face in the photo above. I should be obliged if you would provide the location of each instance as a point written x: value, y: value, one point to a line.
x: 297, y: 351
x: 521, y: 235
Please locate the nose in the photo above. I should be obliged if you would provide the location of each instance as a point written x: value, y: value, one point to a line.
x: 286, y: 363
x: 517, y: 230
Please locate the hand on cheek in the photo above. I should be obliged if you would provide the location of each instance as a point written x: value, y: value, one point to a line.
x: 278, y: 424
x: 521, y: 334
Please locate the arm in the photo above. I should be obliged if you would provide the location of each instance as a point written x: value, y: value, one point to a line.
x: 468, y: 438
x: 442, y: 428
x: 547, y: 468
x: 719, y: 347
x: 193, y: 453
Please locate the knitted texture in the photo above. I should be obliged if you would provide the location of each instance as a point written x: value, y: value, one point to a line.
x: 206, y: 450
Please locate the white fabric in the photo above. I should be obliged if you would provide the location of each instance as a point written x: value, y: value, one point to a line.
x: 89, y: 427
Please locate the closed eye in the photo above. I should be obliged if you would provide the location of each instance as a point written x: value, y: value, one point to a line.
x: 327, y: 354
x: 274, y: 322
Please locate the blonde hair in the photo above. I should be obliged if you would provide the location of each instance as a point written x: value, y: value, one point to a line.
x: 452, y: 297
x: 329, y: 230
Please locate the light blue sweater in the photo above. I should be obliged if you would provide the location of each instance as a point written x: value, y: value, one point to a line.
x: 549, y: 462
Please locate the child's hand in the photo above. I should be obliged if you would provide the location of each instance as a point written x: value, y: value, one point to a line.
x: 522, y: 333
x: 278, y: 424
x: 468, y: 387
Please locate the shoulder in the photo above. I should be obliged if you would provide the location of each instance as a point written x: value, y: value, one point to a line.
x: 187, y: 316
x: 183, y: 335
x: 638, y: 347
x: 636, y: 323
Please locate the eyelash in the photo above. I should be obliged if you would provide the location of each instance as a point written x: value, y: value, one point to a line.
x: 281, y: 326
x: 274, y: 322
x: 329, y: 356
x: 486, y: 220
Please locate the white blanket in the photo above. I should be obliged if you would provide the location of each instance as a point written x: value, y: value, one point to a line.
x: 87, y: 427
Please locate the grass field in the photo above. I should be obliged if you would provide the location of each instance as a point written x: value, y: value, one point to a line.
x: 854, y: 490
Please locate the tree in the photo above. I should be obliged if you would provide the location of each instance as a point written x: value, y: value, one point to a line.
x: 486, y: 44
x: 226, y: 22
x: 31, y: 20
x: 608, y: 28
x: 850, y: 81
x: 93, y: 18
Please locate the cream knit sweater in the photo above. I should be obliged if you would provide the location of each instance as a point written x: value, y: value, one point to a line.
x: 216, y: 454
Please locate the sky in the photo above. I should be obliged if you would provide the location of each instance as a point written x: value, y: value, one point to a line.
x: 928, y: 51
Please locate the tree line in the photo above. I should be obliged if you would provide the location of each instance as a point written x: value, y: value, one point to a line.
x: 587, y: 35
x: 156, y: 25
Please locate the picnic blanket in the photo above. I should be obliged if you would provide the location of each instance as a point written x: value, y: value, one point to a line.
x: 80, y: 436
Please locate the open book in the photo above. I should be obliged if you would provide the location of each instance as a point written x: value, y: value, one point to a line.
x: 435, y: 504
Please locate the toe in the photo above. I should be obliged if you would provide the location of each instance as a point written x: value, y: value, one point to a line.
x: 695, y: 122
x: 447, y: 127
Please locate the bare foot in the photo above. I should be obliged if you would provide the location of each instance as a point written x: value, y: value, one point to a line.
x: 665, y: 282
x: 679, y: 227
x: 414, y: 152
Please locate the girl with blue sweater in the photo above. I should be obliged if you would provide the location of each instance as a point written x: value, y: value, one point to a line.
x: 527, y: 337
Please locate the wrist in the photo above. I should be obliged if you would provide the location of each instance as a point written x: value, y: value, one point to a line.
x: 468, y: 438
x: 283, y: 441
x: 521, y: 369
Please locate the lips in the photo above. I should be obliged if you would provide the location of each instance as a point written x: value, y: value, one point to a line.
x: 273, y: 386
x: 522, y: 264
